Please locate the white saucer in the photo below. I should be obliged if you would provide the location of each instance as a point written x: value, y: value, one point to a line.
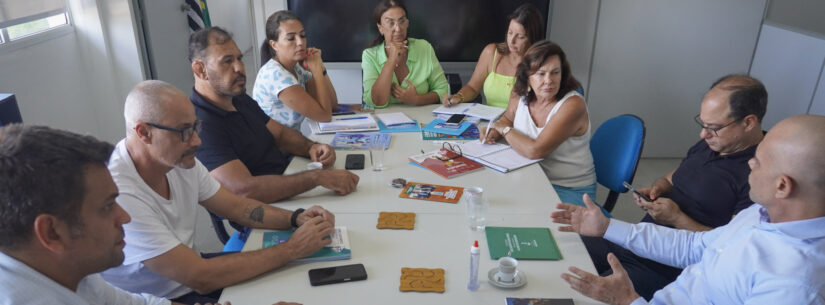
x: 519, y: 280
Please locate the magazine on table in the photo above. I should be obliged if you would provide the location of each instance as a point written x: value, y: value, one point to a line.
x: 338, y: 249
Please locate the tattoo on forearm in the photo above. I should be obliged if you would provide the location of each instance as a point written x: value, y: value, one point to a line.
x: 257, y: 214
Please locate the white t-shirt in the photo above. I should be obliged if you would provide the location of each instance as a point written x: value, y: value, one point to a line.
x: 20, y: 284
x: 571, y: 164
x: 158, y: 224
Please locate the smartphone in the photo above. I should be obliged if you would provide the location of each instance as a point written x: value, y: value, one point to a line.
x: 455, y: 119
x: 339, y: 274
x: 354, y: 161
x: 630, y: 187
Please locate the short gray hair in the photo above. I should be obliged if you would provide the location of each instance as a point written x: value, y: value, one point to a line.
x: 146, y: 103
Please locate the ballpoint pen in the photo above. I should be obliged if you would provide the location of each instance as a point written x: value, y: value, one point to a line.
x: 352, y: 118
x: 486, y: 132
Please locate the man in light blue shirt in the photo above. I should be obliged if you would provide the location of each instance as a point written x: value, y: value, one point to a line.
x: 770, y: 253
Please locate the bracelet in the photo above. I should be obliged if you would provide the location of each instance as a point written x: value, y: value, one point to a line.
x: 294, y: 219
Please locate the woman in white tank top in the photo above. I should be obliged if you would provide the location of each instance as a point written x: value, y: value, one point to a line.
x: 546, y: 118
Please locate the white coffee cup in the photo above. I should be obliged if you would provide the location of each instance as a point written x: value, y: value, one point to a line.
x: 314, y: 165
x: 506, y: 269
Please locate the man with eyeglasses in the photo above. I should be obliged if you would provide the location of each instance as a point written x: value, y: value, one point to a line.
x: 162, y: 184
x: 242, y: 147
x: 708, y: 188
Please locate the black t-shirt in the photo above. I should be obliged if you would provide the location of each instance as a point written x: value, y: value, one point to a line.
x: 241, y: 134
x: 711, y: 188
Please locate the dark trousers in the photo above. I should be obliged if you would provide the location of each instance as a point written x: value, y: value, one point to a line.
x: 195, y: 297
x: 647, y: 276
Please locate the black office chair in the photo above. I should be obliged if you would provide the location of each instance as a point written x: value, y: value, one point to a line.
x: 9, y: 112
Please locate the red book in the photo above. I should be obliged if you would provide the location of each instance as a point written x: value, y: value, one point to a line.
x: 446, y: 163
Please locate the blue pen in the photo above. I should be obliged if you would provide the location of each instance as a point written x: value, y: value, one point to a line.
x: 352, y: 118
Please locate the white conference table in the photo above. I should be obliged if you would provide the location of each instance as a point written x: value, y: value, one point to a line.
x: 441, y: 238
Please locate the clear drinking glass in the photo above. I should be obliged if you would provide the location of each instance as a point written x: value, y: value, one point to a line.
x: 477, y: 207
x: 377, y: 152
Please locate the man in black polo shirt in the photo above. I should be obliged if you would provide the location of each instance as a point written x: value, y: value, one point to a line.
x: 243, y: 148
x: 708, y: 188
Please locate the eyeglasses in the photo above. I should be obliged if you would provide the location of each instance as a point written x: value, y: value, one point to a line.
x: 715, y: 130
x: 446, y: 149
x: 401, y: 22
x: 185, y: 133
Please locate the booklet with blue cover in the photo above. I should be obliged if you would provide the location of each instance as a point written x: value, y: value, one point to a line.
x: 439, y: 126
x: 358, y: 140
x: 337, y: 250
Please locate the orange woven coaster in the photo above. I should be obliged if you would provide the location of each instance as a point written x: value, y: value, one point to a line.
x: 422, y: 279
x: 396, y: 220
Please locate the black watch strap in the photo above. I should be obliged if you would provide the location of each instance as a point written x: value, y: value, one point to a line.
x: 294, y: 219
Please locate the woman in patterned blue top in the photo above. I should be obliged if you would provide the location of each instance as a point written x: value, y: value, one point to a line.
x: 285, y: 87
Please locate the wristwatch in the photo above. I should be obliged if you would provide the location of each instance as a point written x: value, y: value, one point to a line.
x: 294, y: 219
x: 505, y: 130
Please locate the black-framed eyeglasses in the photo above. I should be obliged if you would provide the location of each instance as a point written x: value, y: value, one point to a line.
x: 185, y: 133
x: 455, y: 149
x: 715, y: 130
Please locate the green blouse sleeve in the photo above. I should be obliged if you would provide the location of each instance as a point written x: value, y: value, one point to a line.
x: 437, y: 81
x: 370, y: 70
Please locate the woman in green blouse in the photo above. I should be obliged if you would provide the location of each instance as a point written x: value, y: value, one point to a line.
x: 398, y: 69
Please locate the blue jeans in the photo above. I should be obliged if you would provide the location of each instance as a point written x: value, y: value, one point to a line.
x: 573, y: 195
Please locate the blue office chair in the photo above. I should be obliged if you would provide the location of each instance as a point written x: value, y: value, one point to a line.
x: 232, y: 243
x: 616, y: 147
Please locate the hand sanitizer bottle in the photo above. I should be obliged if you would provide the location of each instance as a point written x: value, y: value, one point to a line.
x: 474, y: 257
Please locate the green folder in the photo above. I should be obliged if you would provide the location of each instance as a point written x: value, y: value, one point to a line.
x: 525, y: 243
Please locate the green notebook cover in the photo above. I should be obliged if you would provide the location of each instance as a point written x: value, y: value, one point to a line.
x: 525, y: 243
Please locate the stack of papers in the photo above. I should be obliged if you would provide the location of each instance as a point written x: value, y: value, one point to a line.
x: 500, y: 157
x: 394, y: 118
x: 352, y: 122
x: 397, y: 122
x: 489, y: 113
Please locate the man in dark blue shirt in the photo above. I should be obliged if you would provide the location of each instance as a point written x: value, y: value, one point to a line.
x: 708, y: 188
x: 243, y: 148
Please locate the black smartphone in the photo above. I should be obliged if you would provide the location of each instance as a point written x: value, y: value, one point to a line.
x: 339, y: 274
x: 354, y: 161
x: 630, y: 187
x: 455, y: 119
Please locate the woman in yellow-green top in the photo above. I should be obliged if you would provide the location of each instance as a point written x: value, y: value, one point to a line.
x: 496, y: 68
x: 398, y: 69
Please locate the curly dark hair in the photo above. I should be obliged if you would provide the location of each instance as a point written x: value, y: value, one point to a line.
x: 535, y: 56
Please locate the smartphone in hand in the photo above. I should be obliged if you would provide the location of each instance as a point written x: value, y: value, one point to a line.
x: 630, y: 187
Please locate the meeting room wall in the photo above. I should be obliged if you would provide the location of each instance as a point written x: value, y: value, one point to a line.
x: 790, y: 59
x: 76, y: 78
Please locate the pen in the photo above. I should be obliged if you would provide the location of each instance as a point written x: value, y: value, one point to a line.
x: 352, y: 118
x: 486, y: 132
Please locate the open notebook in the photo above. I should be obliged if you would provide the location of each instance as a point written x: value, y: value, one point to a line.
x: 500, y: 157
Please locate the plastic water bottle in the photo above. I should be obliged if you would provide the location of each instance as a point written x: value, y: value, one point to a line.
x: 474, y: 257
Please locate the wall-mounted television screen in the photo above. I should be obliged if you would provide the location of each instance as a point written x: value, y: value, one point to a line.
x: 457, y: 29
